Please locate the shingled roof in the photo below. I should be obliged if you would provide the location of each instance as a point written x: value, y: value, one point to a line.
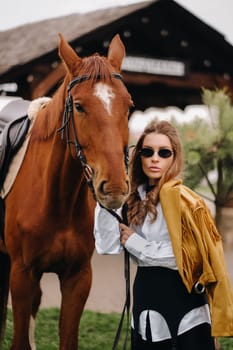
x: 156, y: 33
x: 27, y: 42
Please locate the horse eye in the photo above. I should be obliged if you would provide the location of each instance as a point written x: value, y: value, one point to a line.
x: 78, y: 107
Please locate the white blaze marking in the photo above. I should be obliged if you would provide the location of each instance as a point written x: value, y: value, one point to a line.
x: 105, y: 94
x: 32, y: 333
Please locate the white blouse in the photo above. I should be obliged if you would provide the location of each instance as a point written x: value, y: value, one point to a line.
x: 149, y: 245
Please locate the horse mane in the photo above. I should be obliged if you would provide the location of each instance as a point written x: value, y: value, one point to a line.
x: 94, y: 67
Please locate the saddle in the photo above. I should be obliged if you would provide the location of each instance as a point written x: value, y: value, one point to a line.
x: 14, y: 125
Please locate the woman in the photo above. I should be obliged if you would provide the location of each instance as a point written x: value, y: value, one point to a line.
x: 181, y: 290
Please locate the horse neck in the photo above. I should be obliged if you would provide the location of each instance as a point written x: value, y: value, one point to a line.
x: 63, y: 174
x: 65, y: 180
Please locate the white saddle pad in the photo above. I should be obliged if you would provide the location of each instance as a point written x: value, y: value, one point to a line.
x: 17, y: 160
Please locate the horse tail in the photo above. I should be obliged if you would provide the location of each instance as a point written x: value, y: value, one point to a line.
x: 4, y: 291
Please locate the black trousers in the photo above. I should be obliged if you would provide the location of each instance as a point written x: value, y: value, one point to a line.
x: 197, y: 338
x: 162, y: 290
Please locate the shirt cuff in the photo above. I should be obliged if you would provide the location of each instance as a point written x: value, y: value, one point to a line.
x: 135, y: 244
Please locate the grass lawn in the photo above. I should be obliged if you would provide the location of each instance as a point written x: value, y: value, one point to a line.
x: 97, y: 331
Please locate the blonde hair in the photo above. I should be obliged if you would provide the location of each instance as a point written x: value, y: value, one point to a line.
x: 137, y: 209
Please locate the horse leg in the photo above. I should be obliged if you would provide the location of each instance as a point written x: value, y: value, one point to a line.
x: 4, y: 291
x: 75, y: 290
x: 36, y: 300
x: 26, y: 294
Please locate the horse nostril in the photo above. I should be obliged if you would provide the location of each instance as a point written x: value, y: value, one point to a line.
x: 101, y: 187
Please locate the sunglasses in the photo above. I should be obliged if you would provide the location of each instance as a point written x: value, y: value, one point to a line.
x: 162, y: 152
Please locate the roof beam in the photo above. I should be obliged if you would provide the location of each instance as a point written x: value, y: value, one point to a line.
x: 191, y: 80
x: 47, y: 83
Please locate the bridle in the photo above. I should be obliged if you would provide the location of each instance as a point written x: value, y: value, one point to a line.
x: 68, y: 117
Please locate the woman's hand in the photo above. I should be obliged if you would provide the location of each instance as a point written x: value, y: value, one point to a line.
x: 125, y: 232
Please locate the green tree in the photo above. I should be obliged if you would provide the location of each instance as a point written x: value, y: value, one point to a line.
x: 208, y: 148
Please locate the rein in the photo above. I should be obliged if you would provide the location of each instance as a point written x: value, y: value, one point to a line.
x: 68, y: 117
x: 126, y: 307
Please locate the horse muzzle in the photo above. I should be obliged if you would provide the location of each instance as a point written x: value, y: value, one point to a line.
x: 112, y: 196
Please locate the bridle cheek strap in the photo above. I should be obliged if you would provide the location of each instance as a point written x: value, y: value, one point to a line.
x: 68, y: 117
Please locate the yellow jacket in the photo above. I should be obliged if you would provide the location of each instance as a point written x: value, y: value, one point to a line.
x: 198, y: 250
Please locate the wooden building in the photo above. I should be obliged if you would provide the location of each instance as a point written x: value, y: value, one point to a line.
x: 171, y: 54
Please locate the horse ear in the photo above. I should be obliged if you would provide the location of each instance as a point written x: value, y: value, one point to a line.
x: 68, y: 55
x: 116, y: 52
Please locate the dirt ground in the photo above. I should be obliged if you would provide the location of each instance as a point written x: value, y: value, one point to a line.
x: 108, y: 288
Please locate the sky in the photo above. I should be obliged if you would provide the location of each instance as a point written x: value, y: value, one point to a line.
x: 216, y: 13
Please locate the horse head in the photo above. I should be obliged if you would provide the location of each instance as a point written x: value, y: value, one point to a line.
x: 96, y: 119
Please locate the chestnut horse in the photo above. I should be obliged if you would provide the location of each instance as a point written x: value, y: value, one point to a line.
x: 76, y: 154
